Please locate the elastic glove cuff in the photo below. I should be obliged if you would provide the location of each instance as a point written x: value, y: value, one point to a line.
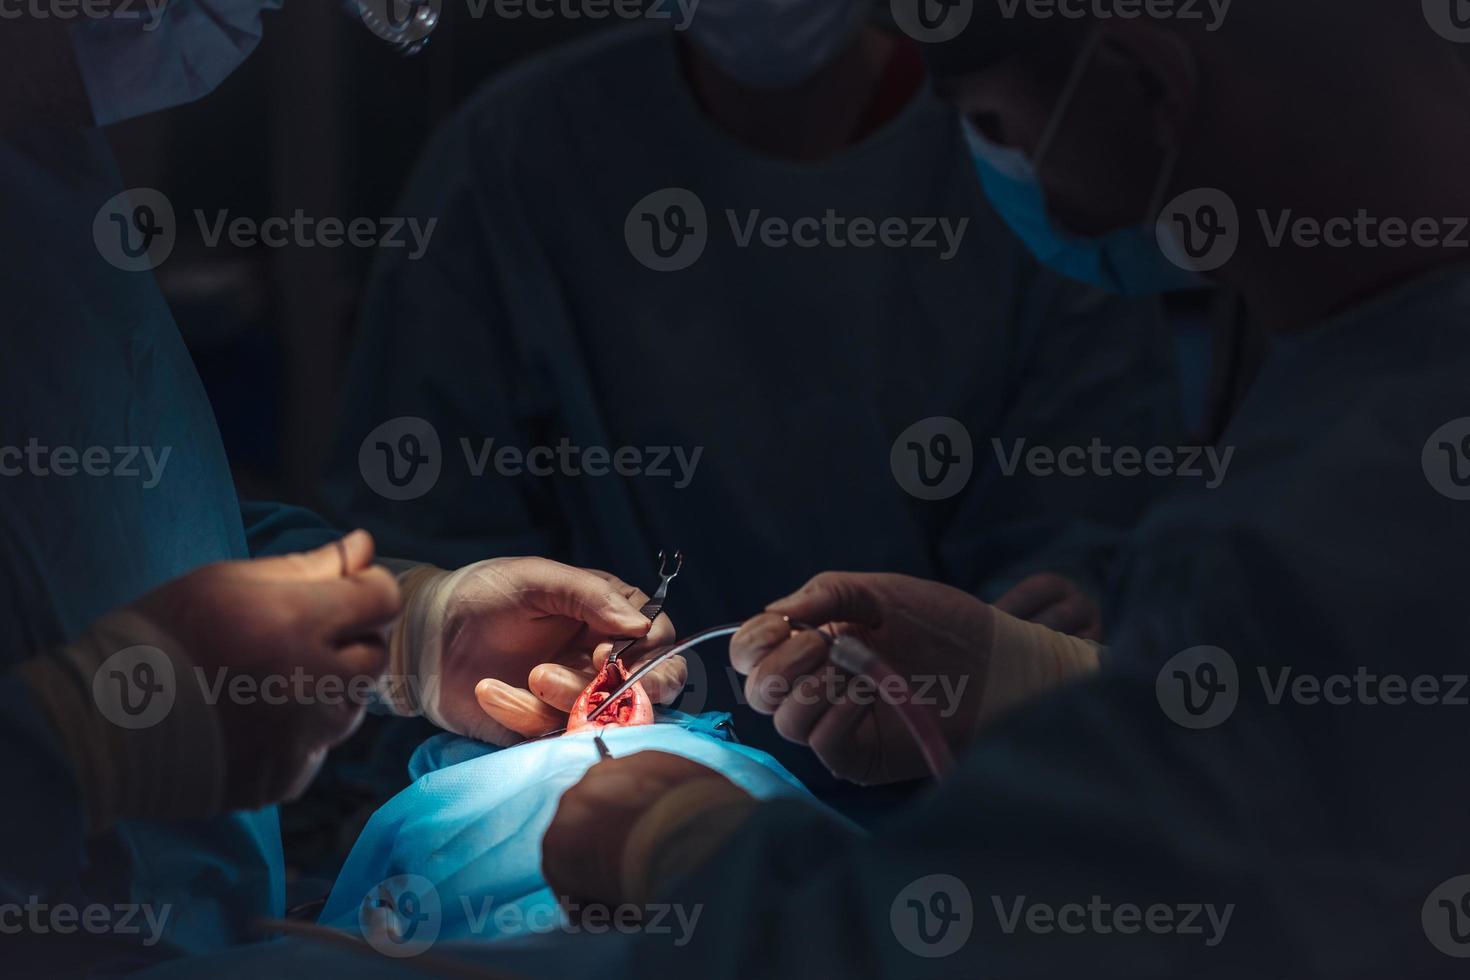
x: 414, y: 646
x: 1027, y: 660
x: 129, y: 764
x: 415, y: 680
x: 679, y: 832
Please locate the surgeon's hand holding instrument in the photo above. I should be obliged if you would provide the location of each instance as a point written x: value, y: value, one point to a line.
x: 845, y: 652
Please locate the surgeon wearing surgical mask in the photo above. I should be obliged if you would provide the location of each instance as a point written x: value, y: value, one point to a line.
x: 132, y: 610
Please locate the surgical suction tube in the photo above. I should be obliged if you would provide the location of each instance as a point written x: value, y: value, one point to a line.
x: 848, y: 654
x: 857, y: 658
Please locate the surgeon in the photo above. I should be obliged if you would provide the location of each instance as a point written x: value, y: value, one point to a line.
x: 135, y: 602
x: 596, y: 403
x: 1258, y: 775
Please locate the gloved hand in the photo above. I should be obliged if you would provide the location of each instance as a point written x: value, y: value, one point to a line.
x: 500, y: 650
x: 262, y: 666
x: 964, y: 660
x: 634, y: 822
x: 1055, y: 602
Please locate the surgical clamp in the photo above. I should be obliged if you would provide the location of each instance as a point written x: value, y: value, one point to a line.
x: 655, y: 606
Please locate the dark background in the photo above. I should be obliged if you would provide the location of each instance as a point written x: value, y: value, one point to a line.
x: 324, y: 117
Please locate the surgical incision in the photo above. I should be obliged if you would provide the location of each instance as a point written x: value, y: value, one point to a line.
x: 633, y: 708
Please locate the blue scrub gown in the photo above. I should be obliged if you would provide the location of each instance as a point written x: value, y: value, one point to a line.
x: 92, y: 358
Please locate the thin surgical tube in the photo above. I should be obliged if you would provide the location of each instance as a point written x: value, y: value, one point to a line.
x: 846, y: 653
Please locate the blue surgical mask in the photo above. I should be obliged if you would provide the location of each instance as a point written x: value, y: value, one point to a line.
x: 155, y: 55
x: 1128, y: 261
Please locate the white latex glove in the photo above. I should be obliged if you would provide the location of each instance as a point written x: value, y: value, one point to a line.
x: 498, y: 651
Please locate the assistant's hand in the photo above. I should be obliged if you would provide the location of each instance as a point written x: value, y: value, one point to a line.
x: 611, y: 841
x: 936, y: 637
x: 223, y: 689
x: 499, y: 651
x: 962, y: 659
x: 315, y: 616
x: 1056, y: 602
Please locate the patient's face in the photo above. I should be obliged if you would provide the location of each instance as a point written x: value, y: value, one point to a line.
x: 633, y: 708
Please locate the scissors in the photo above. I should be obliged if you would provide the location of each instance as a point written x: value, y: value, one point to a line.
x: 655, y: 606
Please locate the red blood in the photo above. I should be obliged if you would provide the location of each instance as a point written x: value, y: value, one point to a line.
x: 633, y: 708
